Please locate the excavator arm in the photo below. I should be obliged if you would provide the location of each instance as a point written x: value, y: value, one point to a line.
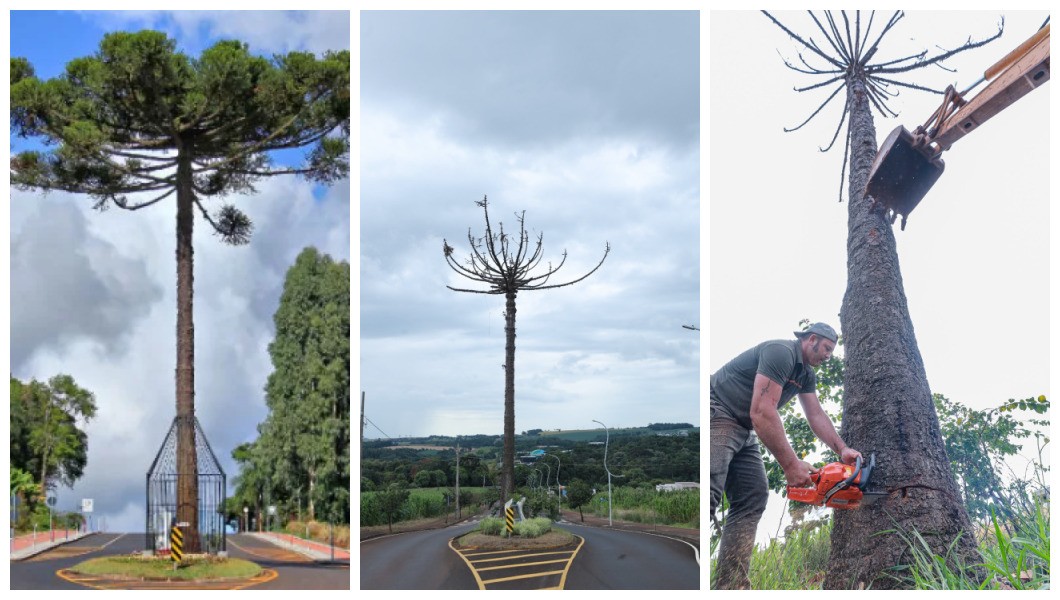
x: 908, y: 164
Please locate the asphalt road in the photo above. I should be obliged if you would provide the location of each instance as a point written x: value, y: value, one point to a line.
x: 609, y: 560
x: 419, y: 560
x: 293, y: 570
x: 628, y: 560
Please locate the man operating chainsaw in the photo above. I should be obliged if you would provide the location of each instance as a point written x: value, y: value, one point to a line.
x: 745, y: 396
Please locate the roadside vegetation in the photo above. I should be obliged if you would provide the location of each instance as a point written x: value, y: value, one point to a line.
x: 532, y: 533
x: 414, y: 480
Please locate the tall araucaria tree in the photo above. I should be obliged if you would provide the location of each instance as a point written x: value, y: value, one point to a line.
x: 887, y: 403
x: 139, y: 122
x: 507, y: 266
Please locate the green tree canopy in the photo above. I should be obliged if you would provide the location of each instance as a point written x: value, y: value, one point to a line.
x: 46, y: 438
x: 304, y: 442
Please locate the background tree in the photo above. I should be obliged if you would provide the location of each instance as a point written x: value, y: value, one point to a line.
x: 888, y: 406
x: 390, y: 502
x: 507, y: 267
x: 46, y: 438
x: 579, y: 494
x: 139, y: 122
x: 302, y: 451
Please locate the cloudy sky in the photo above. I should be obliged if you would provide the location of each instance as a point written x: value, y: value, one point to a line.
x: 93, y: 294
x: 589, y: 122
x: 975, y: 252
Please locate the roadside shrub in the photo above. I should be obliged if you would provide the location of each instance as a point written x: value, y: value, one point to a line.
x: 533, y: 528
x: 491, y: 526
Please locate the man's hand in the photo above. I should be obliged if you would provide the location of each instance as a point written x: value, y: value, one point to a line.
x: 849, y: 455
x: 798, y: 474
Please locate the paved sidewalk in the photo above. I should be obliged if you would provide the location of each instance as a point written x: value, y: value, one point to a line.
x: 315, y: 550
x: 25, y: 546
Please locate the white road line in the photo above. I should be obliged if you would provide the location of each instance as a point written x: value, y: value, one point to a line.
x: 692, y: 546
x: 112, y: 541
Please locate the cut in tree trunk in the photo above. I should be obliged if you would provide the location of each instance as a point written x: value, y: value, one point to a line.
x: 887, y: 408
x: 187, y: 460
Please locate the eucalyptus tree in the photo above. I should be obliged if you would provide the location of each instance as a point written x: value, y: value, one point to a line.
x: 307, y: 431
x: 507, y: 264
x: 888, y: 407
x: 139, y: 122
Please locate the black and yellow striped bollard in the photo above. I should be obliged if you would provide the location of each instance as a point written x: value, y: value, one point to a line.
x: 176, y: 545
x: 509, y: 519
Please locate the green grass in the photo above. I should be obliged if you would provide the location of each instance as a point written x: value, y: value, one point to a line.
x: 162, y: 568
x: 1019, y: 560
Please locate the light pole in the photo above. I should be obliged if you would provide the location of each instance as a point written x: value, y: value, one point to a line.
x: 548, y: 476
x: 246, y: 519
x: 607, y: 440
x: 559, y: 490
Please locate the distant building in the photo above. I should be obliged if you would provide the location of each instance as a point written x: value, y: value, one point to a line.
x: 679, y: 485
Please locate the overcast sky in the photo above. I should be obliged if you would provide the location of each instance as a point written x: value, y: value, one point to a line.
x: 974, y: 255
x: 93, y: 294
x: 588, y: 121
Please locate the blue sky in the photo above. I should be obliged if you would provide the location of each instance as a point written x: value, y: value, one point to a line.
x: 93, y: 294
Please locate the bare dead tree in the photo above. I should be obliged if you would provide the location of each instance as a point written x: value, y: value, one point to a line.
x: 508, y: 266
x: 887, y: 403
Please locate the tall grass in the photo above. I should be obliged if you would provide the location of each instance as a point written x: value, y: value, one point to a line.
x: 643, y: 505
x: 1010, y: 561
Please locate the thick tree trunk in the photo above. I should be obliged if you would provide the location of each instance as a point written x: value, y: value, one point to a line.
x: 187, y: 460
x: 508, y: 474
x: 887, y: 408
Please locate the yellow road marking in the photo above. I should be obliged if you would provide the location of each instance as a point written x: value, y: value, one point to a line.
x: 517, y: 565
x: 527, y: 576
x: 516, y: 554
x: 563, y: 578
x: 478, y: 579
x: 485, y: 560
x: 493, y: 552
x: 100, y: 583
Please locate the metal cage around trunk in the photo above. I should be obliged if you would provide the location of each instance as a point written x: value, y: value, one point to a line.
x: 162, y: 494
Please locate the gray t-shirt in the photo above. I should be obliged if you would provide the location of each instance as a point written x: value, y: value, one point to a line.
x: 732, y: 386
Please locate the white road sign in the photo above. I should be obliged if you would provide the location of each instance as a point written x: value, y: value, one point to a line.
x: 86, y: 505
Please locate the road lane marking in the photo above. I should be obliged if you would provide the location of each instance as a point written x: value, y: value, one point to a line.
x: 563, y: 578
x: 526, y: 576
x: 486, y: 560
x: 102, y: 583
x: 517, y: 565
x: 511, y: 557
x: 112, y: 541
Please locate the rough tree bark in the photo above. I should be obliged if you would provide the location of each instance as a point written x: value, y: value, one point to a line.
x: 187, y: 458
x: 887, y: 407
x: 887, y: 404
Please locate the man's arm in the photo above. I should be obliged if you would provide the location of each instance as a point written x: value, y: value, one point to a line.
x: 820, y: 424
x: 822, y: 427
x: 766, y: 420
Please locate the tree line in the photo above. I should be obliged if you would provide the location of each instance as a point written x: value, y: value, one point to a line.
x: 300, y: 460
x: 642, y: 460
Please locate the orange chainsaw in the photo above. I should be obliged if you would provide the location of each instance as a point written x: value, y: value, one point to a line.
x: 839, y: 485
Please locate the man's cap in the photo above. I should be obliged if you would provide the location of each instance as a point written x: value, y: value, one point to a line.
x: 823, y: 330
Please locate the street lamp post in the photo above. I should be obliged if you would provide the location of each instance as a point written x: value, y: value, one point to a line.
x: 607, y: 440
x: 559, y: 490
x: 246, y: 519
